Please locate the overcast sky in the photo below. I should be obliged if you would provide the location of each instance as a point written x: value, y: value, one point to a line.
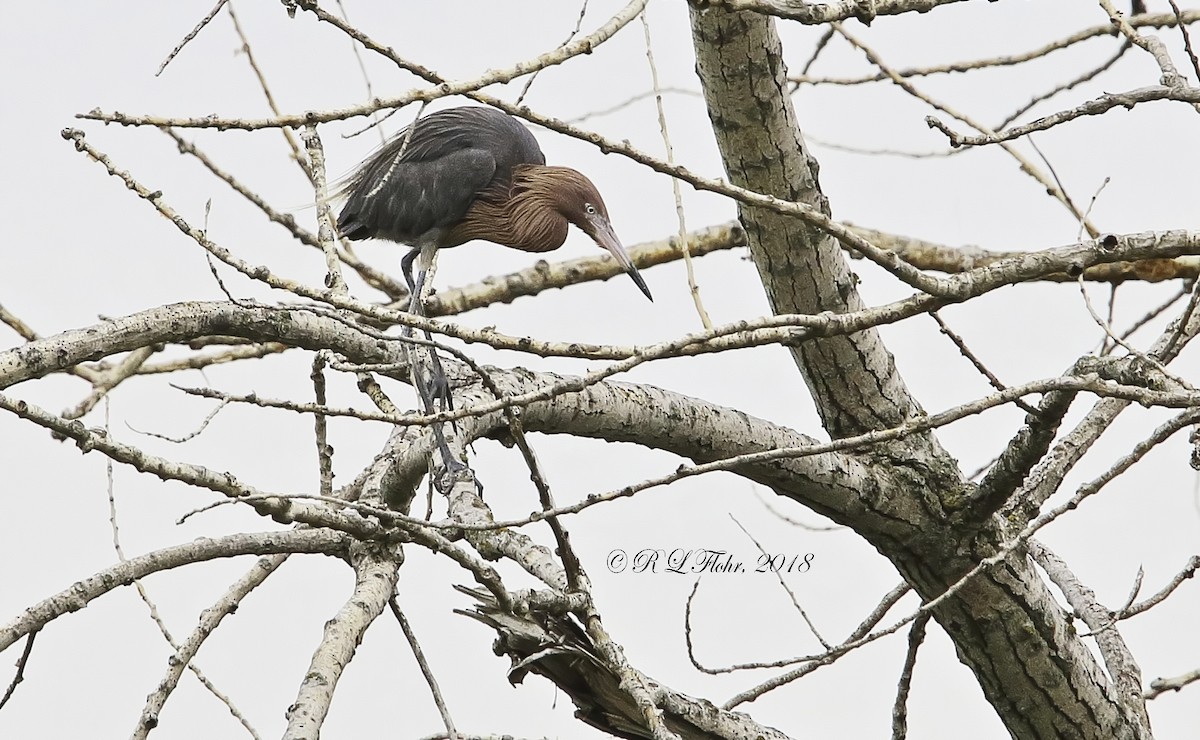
x: 79, y: 247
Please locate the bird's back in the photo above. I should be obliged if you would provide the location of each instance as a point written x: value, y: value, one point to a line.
x: 412, y: 192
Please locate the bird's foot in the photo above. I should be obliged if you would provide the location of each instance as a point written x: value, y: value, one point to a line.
x: 439, y: 384
x: 454, y: 470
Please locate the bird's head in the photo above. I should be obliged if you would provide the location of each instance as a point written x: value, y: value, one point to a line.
x: 577, y: 200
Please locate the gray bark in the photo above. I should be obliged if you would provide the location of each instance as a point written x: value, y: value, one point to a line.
x: 1038, y: 675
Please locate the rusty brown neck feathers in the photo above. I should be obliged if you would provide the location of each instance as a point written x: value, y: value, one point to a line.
x: 532, y: 212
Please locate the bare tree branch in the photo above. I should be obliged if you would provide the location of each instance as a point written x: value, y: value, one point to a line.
x: 375, y: 576
x: 818, y: 13
x: 1127, y: 676
x: 76, y: 597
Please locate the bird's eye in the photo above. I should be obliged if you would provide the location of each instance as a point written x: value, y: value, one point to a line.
x: 589, y: 209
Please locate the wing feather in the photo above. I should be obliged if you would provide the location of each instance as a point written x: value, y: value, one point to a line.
x: 412, y: 192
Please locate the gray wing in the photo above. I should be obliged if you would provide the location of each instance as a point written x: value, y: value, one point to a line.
x: 405, y: 192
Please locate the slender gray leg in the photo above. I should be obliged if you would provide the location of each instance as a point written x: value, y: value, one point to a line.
x: 453, y: 465
x: 438, y: 386
x: 406, y: 265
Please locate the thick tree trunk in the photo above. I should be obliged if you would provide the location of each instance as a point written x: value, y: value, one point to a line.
x: 1031, y: 665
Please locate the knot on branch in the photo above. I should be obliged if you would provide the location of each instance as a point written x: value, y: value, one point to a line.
x: 865, y: 11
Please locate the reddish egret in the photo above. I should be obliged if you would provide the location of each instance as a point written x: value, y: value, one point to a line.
x: 472, y: 173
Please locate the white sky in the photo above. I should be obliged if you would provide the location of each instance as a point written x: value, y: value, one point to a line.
x: 79, y: 247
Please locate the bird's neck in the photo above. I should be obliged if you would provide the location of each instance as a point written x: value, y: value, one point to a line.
x: 521, y: 216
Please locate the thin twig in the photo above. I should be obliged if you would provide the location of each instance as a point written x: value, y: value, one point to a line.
x: 382, y: 282
x: 110, y: 379
x: 1134, y: 351
x: 16, y: 324
x: 21, y: 663
x: 583, y: 7
x: 1187, y: 39
x: 916, y: 635
x: 852, y: 642
x: 426, y: 671
x: 795, y: 522
x: 976, y: 362
x: 1184, y: 574
x: 1157, y: 311
x: 1003, y: 551
x: 297, y: 155
x: 791, y: 594
x: 199, y: 362
x: 1071, y: 84
x: 1107, y: 346
x: 1026, y: 166
x: 818, y: 47
x: 1134, y: 590
x: 1177, y: 334
x: 210, y: 618
x: 632, y: 99
x: 693, y: 286
x: 1156, y: 20
x: 1095, y: 107
x: 191, y: 35
x: 362, y: 68
x: 144, y: 724
x: 190, y: 435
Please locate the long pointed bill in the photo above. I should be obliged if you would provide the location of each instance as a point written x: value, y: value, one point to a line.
x: 607, y: 238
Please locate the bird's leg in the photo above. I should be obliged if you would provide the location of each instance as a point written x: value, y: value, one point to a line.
x: 406, y: 264
x: 452, y: 463
x: 436, y: 385
x: 416, y: 305
x: 430, y: 387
